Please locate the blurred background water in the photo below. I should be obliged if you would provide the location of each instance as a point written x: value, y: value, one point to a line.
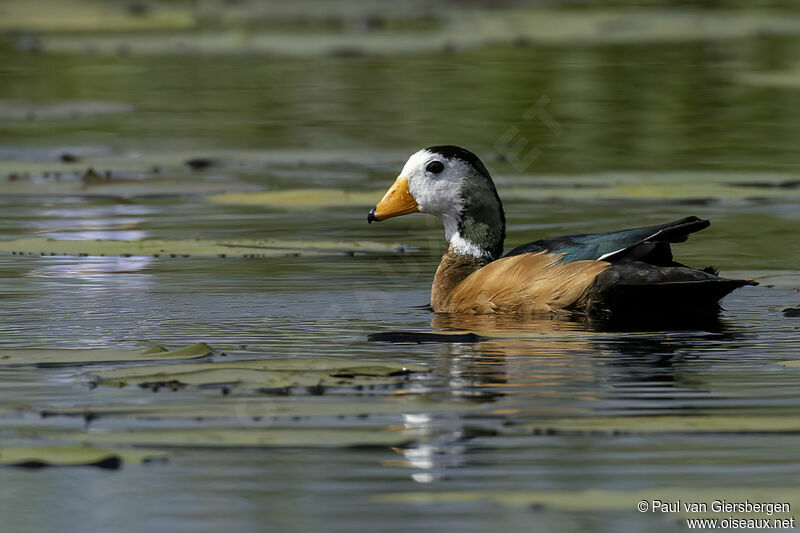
x: 591, y: 117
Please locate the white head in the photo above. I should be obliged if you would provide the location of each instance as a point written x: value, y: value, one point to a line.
x: 454, y: 185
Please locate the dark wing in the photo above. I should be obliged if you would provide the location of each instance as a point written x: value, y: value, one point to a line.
x: 649, y: 244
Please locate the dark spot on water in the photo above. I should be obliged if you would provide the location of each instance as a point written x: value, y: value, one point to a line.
x: 790, y: 184
x: 316, y: 390
x: 279, y: 391
x: 199, y: 163
x: 137, y: 9
x: 347, y: 52
x: 225, y: 391
x: 90, y: 176
x: 67, y: 157
x: 422, y: 337
x: 792, y: 312
x: 109, y: 463
x: 521, y: 41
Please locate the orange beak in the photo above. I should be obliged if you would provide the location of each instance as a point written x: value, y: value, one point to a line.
x: 396, y: 202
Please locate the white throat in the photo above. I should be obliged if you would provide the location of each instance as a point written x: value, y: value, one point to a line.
x: 459, y: 244
x: 462, y: 246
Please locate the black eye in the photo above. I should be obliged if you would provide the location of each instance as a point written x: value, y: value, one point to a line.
x: 434, y: 167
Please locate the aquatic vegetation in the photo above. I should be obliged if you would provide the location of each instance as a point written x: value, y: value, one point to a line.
x: 42, y: 456
x: 66, y: 357
x: 605, y: 500
x: 189, y: 248
x: 266, y: 375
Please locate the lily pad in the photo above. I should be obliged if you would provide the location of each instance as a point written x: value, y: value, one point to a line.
x: 650, y: 186
x: 670, y: 424
x: 300, y: 198
x: 190, y: 247
x: 260, y: 407
x: 268, y: 375
x: 66, y: 357
x: 606, y: 500
x: 40, y: 456
x: 49, y: 179
x: 227, y: 437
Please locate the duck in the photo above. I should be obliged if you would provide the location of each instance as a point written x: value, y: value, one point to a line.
x: 628, y: 272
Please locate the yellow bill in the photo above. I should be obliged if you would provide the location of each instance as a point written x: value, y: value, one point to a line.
x: 396, y: 202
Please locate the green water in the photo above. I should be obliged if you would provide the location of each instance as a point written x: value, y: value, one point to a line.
x: 586, y: 112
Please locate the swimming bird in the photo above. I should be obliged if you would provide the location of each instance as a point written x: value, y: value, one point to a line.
x: 616, y: 273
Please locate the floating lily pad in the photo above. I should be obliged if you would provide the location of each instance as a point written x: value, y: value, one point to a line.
x: 671, y: 424
x: 40, y: 456
x: 125, y: 182
x: 227, y: 437
x: 606, y: 500
x: 651, y: 186
x: 268, y: 375
x: 301, y: 198
x: 67, y: 357
x: 260, y: 407
x: 770, y: 278
x: 190, y: 247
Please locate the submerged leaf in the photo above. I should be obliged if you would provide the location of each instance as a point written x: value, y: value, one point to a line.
x: 66, y: 357
x: 39, y: 456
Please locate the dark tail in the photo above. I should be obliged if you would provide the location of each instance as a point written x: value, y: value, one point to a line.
x: 668, y: 298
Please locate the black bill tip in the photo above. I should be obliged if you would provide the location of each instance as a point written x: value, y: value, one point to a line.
x: 371, y: 216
